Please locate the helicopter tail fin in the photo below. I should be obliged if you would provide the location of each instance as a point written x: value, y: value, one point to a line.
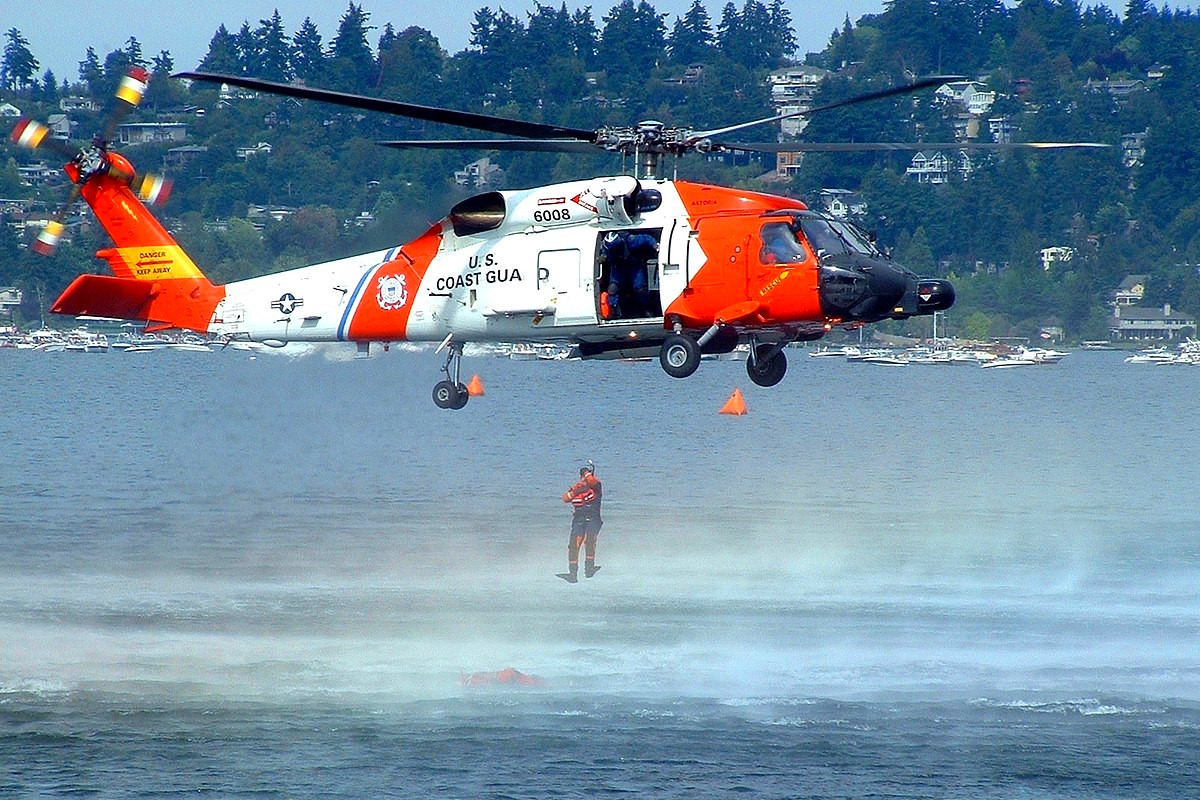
x: 155, y: 281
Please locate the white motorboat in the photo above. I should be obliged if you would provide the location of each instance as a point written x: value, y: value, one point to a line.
x: 1009, y: 361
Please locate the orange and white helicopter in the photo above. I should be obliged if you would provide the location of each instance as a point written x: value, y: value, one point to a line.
x: 723, y: 266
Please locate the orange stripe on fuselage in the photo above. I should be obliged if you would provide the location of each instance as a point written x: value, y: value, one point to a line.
x: 390, y: 291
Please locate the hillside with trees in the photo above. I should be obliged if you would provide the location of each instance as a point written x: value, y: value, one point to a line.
x: 1058, y: 71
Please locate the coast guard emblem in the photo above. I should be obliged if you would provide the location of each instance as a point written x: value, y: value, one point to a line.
x: 392, y: 292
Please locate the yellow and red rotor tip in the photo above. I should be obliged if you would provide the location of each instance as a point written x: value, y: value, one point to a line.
x: 133, y: 85
x: 47, y: 240
x: 29, y: 133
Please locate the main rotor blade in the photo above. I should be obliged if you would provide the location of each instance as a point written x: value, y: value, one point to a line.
x: 855, y: 147
x: 465, y: 119
x: 933, y: 80
x: 543, y: 145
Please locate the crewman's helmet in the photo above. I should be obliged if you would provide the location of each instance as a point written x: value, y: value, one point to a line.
x: 586, y: 468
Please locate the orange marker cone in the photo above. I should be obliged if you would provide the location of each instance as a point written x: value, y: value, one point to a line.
x: 475, y: 387
x: 736, y: 404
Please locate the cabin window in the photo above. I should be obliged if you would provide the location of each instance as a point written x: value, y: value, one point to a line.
x: 780, y: 245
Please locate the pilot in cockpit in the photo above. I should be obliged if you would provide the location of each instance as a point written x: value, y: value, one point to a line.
x: 780, y: 245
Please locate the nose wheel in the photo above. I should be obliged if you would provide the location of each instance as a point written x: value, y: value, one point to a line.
x: 766, y: 364
x: 451, y: 393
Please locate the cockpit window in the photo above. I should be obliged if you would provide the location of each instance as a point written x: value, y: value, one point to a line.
x: 855, y: 238
x: 834, y: 238
x: 780, y: 245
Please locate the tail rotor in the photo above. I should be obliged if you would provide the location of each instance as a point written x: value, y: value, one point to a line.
x: 93, y: 160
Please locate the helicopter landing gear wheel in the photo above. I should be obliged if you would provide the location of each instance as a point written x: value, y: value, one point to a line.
x: 679, y: 356
x: 451, y: 393
x: 447, y: 395
x: 767, y: 365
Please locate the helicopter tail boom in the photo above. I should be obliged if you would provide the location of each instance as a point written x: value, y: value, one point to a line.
x: 155, y: 280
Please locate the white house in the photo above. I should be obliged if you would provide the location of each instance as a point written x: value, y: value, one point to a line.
x: 1055, y: 255
x: 938, y: 166
x: 262, y: 148
x: 972, y: 96
x: 843, y: 203
x: 792, y: 91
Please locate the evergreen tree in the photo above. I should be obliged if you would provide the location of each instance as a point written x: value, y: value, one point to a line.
x: 785, y: 43
x: 411, y: 67
x: 632, y: 43
x: 352, y: 60
x: 308, y: 53
x: 163, y: 91
x: 274, y: 54
x: 222, y: 57
x: 91, y: 73
x: 247, y: 50
x: 133, y: 52
x: 548, y: 33
x: 386, y: 39
x: 118, y: 62
x: 760, y: 43
x: 49, y: 89
x: 729, y: 32
x: 18, y: 69
x: 498, y: 40
x: 585, y: 37
x: 691, y: 39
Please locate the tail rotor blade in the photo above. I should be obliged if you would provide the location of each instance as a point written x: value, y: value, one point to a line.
x: 48, y: 239
x: 129, y: 95
x: 154, y: 189
x: 32, y: 135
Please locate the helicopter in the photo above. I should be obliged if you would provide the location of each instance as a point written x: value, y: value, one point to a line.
x: 720, y: 266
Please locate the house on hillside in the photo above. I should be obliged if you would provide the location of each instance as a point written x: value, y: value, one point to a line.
x: 843, y: 203
x: 971, y: 96
x: 1055, y: 255
x: 479, y: 173
x: 60, y: 126
x: 1119, y: 90
x: 69, y: 104
x: 1131, y: 291
x: 262, y: 148
x: 10, y: 298
x: 1133, y: 148
x: 939, y: 166
x: 131, y: 133
x: 1136, y: 324
x: 792, y: 91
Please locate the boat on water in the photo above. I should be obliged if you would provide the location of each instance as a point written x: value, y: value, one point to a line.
x: 836, y: 352
x: 522, y: 351
x: 1006, y: 362
x: 887, y: 359
x: 1151, y: 355
x: 1041, y: 355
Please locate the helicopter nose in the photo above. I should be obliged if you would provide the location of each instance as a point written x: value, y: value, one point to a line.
x: 934, y: 295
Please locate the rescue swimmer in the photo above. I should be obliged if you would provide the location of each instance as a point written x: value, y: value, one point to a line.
x: 584, y: 496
